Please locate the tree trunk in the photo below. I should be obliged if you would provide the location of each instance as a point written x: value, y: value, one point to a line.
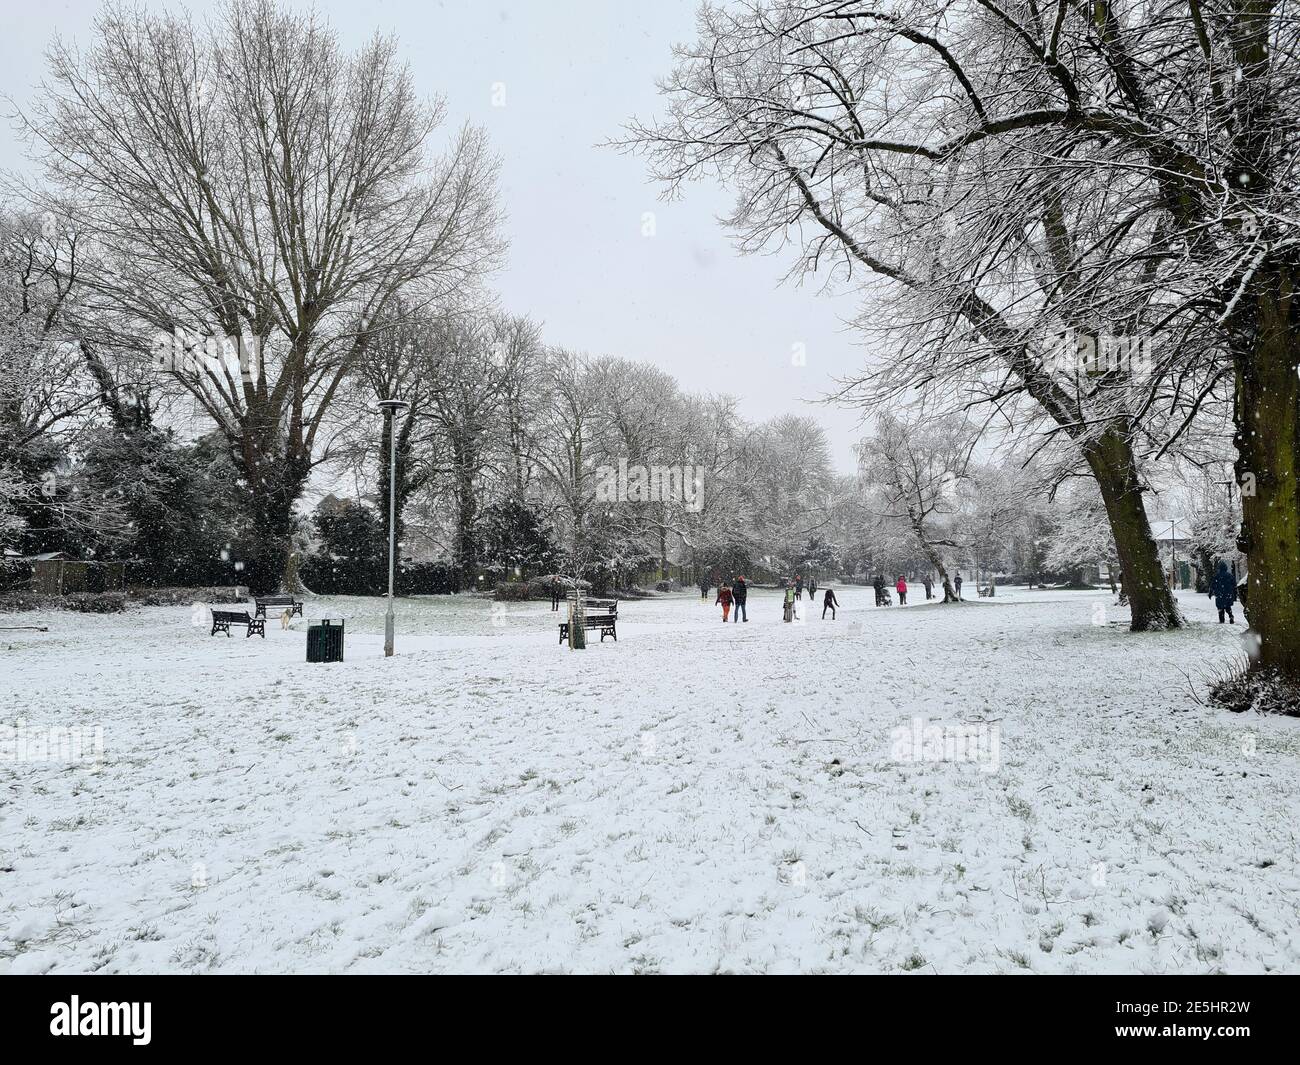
x: 407, y: 485
x: 949, y: 596
x: 275, y: 482
x: 1267, y: 414
x: 272, y: 567
x: 1151, y: 600
x: 465, y: 465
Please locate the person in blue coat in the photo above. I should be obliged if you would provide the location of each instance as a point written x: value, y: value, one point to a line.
x: 1224, y: 587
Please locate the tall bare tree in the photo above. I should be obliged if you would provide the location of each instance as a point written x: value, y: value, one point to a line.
x: 915, y: 470
x: 837, y: 125
x: 259, y: 198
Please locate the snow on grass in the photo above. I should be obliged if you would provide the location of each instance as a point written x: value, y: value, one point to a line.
x: 693, y: 798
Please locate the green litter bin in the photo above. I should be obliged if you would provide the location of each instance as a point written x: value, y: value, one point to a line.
x: 325, y: 642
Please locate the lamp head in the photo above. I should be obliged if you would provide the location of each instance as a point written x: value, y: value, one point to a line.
x: 392, y: 407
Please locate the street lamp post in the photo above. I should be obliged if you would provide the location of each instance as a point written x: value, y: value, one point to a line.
x: 391, y: 408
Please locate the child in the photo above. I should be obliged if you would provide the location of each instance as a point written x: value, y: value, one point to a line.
x: 901, y: 588
x: 724, y: 597
x: 788, y: 613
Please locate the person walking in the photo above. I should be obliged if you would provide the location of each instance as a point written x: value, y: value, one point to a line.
x: 725, y: 598
x: 879, y: 585
x: 798, y: 586
x: 704, y: 587
x: 740, y: 593
x: 812, y: 588
x: 829, y: 602
x: 929, y: 586
x: 956, y: 583
x: 555, y: 593
x: 901, y: 589
x: 1224, y: 587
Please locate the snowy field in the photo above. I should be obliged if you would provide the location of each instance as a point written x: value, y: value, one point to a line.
x: 692, y: 799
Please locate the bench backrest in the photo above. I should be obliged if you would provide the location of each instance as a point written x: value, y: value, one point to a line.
x: 275, y: 600
x: 230, y: 615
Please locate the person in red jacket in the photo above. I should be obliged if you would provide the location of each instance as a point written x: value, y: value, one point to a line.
x: 901, y: 589
x: 724, y: 597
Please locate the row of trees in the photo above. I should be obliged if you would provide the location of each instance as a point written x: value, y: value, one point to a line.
x: 227, y: 211
x: 1019, y: 181
x: 243, y: 239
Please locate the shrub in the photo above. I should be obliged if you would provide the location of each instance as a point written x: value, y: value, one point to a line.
x: 426, y: 578
x: 231, y: 593
x: 82, y: 602
x: 19, y: 600
x: 512, y: 591
x: 96, y: 602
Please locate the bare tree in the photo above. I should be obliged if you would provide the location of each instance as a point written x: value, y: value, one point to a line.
x: 916, y: 470
x: 567, y: 431
x: 259, y: 198
x: 839, y: 128
x: 48, y: 400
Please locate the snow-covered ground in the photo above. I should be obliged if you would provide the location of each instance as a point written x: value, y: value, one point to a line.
x: 693, y: 798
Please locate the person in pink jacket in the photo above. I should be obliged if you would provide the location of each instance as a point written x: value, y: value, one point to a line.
x: 901, y: 589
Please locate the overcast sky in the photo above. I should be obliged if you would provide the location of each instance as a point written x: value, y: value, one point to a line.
x: 573, y: 71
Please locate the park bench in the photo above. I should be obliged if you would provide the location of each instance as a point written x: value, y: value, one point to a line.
x: 277, y: 602
x: 601, y: 614
x: 223, y: 619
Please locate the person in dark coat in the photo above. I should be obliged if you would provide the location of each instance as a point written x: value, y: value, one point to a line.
x: 739, y: 593
x: 798, y: 587
x: 812, y: 588
x: 1224, y: 587
x: 829, y: 602
x: 556, y: 589
x: 879, y: 585
x: 929, y: 587
x: 956, y: 584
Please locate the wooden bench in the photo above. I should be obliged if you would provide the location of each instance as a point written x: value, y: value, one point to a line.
x: 601, y: 614
x: 279, y: 602
x: 223, y: 619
